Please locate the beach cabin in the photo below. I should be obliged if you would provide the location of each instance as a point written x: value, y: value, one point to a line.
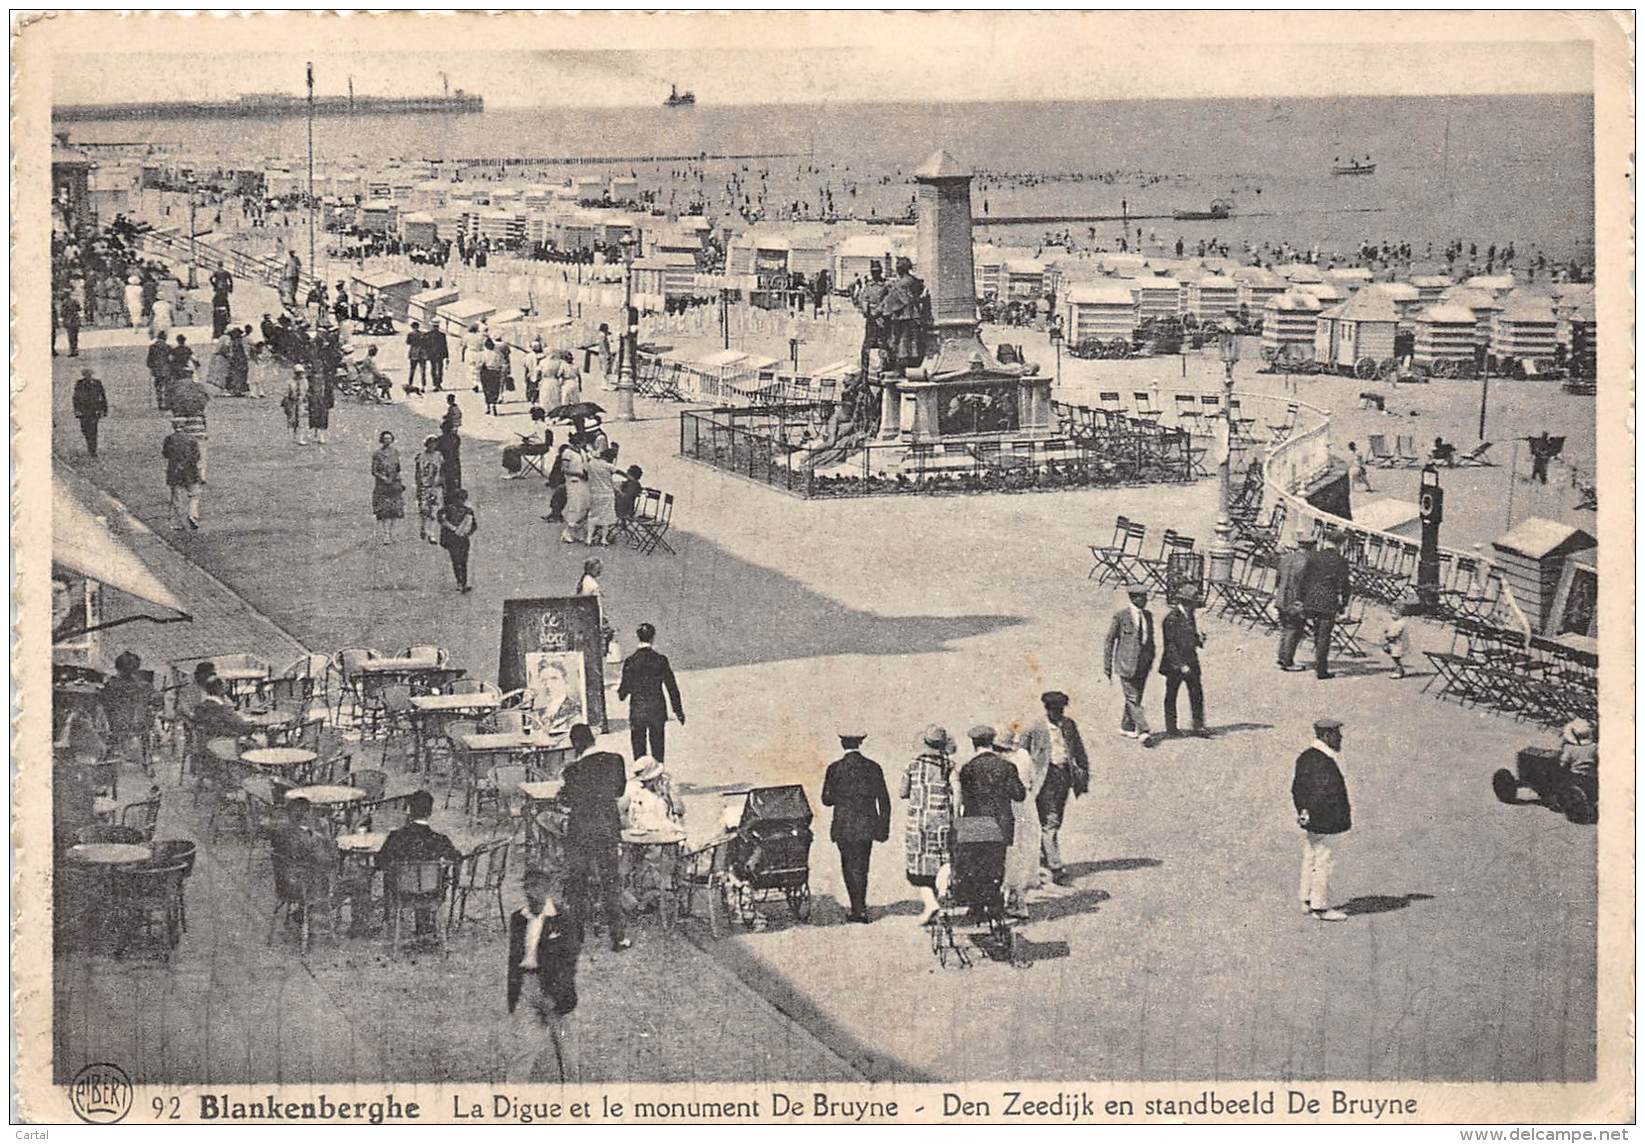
x: 1157, y: 298
x: 1360, y: 328
x: 1580, y: 335
x: 854, y: 255
x: 1406, y: 298
x: 499, y: 227
x: 282, y: 184
x: 810, y: 254
x: 1496, y: 285
x: 1212, y: 298
x: 988, y: 268
x: 1099, y: 312
x: 425, y: 304
x: 1525, y: 328
x: 1288, y: 322
x: 624, y: 189
x: 1430, y: 287
x: 1328, y: 293
x: 459, y: 315
x: 1485, y: 308
x: 1531, y: 560
x: 1257, y: 284
x: 1300, y: 273
x: 394, y: 288
x: 377, y: 217
x: 1022, y: 280
x: 417, y: 228
x: 665, y: 275
x: 1350, y: 278
x: 1444, y: 333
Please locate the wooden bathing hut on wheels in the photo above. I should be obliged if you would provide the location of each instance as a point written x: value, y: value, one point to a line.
x: 1357, y: 336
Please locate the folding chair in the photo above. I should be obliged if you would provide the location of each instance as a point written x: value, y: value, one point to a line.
x: 1109, y: 402
x: 530, y: 454
x: 1476, y: 456
x: 1114, y: 559
x: 1146, y: 410
x: 1153, y: 571
x: 1278, y: 432
x: 1188, y: 412
x: 654, y: 529
x: 1345, y: 632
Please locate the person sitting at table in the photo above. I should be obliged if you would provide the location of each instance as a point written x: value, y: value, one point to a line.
x: 648, y: 802
x: 513, y: 467
x: 302, y: 850
x: 193, y: 691
x: 126, y: 700
x: 215, y: 717
x: 417, y: 841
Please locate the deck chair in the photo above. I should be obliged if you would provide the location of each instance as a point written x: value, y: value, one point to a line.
x: 1405, y: 451
x: 1476, y: 456
x: 1376, y: 451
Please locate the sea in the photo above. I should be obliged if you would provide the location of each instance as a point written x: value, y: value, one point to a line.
x: 1481, y: 170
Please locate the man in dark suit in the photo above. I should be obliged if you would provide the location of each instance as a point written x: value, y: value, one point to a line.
x: 593, y: 782
x: 1325, y: 591
x: 159, y: 363
x: 438, y: 351
x: 1321, y: 799
x: 417, y: 841
x: 543, y: 944
x: 1129, y: 648
x: 1056, y: 746
x: 646, y: 676
x: 855, y: 787
x: 1288, y: 601
x: 1179, y: 664
x: 989, y: 784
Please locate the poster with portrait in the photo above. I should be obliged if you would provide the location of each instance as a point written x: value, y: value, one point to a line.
x: 554, y: 647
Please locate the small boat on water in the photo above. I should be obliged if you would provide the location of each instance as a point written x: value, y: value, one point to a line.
x: 1353, y: 167
x: 1221, y: 208
x: 678, y: 98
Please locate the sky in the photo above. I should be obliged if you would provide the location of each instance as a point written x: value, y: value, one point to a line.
x: 907, y: 58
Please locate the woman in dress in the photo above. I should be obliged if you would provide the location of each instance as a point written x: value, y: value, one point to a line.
x: 430, y: 482
x: 1022, y: 859
x: 575, y: 468
x: 388, y: 489
x: 457, y: 526
x: 239, y: 364
x: 588, y: 584
x: 319, y: 403
x: 134, y: 301
x: 927, y: 785
x: 217, y: 369
x: 602, y: 498
x: 295, y: 404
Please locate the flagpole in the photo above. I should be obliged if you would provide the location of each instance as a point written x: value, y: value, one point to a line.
x: 312, y: 268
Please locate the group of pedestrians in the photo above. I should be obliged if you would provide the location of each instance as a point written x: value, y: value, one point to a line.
x: 1313, y: 590
x: 1020, y: 777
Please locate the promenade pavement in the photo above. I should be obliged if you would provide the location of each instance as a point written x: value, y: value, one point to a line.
x: 1179, y: 952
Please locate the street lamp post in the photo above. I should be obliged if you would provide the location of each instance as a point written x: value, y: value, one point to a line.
x: 631, y: 335
x: 193, y: 243
x: 1222, y: 548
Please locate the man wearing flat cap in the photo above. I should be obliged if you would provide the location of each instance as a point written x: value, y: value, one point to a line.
x: 1129, y: 649
x: 989, y: 784
x: 855, y: 787
x: 1056, y: 746
x: 1321, y: 799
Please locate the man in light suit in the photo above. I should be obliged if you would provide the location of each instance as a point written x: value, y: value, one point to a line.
x: 1130, y: 649
x: 1288, y: 600
x: 1056, y: 745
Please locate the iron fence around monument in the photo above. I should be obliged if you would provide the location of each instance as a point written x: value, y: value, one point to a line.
x: 786, y: 446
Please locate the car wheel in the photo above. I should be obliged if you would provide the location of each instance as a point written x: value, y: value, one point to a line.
x: 1577, y: 808
x: 1505, y: 786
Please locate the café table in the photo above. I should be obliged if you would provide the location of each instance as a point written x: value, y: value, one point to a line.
x: 104, y: 913
x: 366, y: 842
x: 651, y: 860
x: 110, y: 853
x: 275, y: 760
x: 242, y: 682
x: 269, y: 722
x: 327, y: 794
x: 430, y: 713
x: 225, y: 749
x: 544, y: 791
x: 420, y: 675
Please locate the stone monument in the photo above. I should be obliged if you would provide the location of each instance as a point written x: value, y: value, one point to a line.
x: 960, y: 389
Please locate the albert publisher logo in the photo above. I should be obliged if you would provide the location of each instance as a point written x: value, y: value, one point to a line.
x: 101, y: 1094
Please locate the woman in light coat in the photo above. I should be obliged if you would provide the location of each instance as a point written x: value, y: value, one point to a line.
x: 1022, y: 860
x: 134, y: 301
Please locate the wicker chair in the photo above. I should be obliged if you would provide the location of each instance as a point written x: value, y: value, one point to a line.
x: 419, y: 887
x: 481, y: 871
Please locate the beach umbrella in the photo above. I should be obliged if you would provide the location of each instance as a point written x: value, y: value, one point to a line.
x: 575, y: 411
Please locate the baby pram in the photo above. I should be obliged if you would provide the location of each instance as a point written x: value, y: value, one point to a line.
x: 771, y: 854
x: 973, y: 894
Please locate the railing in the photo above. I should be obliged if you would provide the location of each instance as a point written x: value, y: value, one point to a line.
x: 787, y: 446
x: 1304, y: 456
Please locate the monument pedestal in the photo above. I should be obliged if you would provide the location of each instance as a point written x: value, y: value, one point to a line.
x: 983, y: 404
